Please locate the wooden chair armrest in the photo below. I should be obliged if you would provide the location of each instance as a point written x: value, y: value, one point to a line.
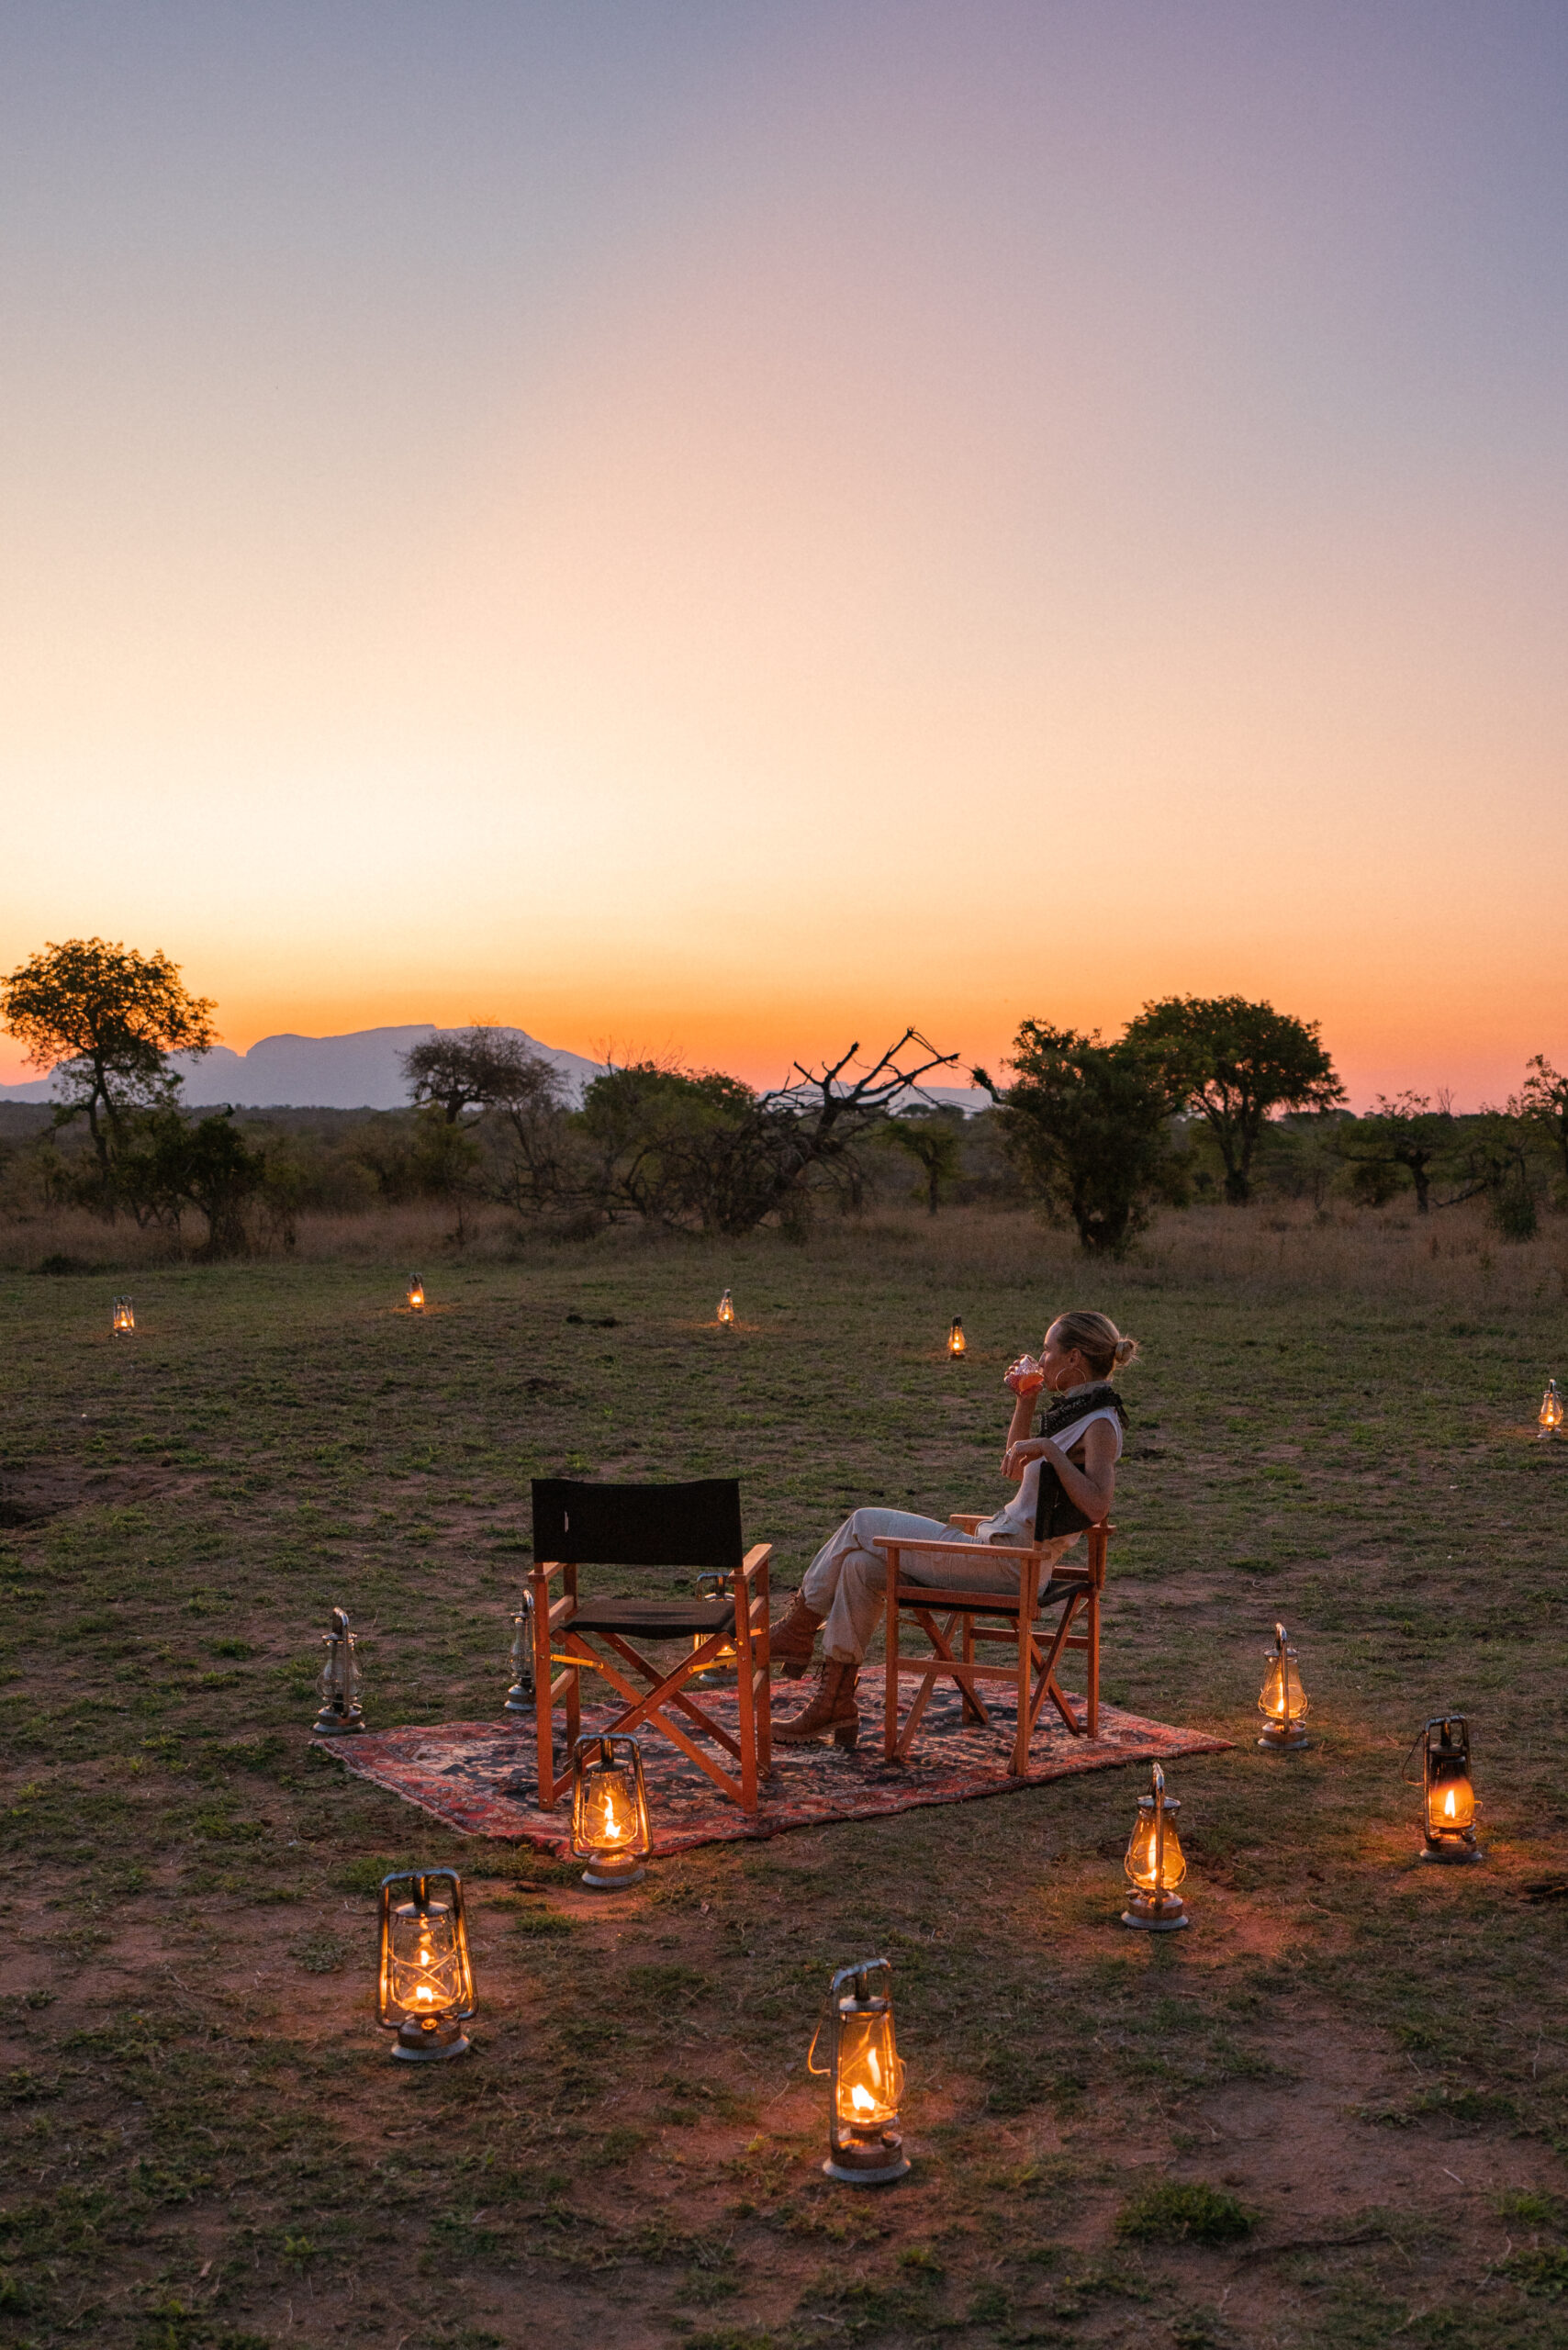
x: 958, y: 1549
x: 756, y: 1558
x: 548, y: 1567
x: 966, y: 1520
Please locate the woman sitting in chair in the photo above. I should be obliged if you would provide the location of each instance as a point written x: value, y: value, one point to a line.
x: 844, y: 1587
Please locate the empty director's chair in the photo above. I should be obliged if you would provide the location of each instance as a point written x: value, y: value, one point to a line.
x: 649, y: 1526
x: 1039, y: 1618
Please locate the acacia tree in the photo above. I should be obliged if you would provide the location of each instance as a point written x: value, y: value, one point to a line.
x: 683, y: 1149
x: 169, y: 1164
x: 518, y: 1094
x: 1545, y: 1101
x: 1232, y: 1063
x: 104, y: 1020
x: 1404, y: 1131
x: 1088, y: 1125
x: 931, y: 1136
x: 472, y: 1067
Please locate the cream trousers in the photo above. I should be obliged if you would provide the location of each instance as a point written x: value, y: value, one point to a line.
x: 848, y: 1580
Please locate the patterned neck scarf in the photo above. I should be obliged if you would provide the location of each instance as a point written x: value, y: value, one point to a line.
x: 1063, y: 1410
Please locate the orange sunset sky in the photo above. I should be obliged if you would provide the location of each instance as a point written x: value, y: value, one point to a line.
x: 727, y: 529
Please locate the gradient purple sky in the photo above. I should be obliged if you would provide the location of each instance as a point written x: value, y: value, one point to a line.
x: 728, y: 528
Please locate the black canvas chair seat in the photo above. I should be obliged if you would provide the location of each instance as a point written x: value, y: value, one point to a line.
x: 655, y: 1618
x: 696, y: 1526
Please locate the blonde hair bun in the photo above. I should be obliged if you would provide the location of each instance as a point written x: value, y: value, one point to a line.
x: 1098, y: 1340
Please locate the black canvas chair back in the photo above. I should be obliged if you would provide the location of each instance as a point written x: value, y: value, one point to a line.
x: 696, y: 1525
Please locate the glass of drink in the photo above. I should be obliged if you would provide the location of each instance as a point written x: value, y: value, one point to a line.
x: 1025, y: 1377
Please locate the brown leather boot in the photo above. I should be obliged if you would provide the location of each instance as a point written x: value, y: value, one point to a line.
x: 792, y: 1643
x: 831, y: 1713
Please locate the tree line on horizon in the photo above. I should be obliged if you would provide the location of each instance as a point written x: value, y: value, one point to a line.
x: 1199, y: 1098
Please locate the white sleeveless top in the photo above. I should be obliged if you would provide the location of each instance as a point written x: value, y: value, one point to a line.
x: 1016, y: 1524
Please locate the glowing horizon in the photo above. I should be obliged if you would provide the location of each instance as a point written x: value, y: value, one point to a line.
x: 718, y: 533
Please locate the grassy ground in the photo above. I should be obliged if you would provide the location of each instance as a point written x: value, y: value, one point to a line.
x: 1333, y: 2114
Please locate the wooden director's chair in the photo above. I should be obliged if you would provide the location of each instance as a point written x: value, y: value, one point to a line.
x: 649, y: 1526
x: 1069, y: 1593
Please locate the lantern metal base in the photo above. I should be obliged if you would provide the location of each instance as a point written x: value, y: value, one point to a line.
x: 328, y: 1724
x: 867, y: 2162
x: 1451, y: 1852
x: 609, y: 1873
x: 418, y: 2043
x: 1157, y: 1913
x: 1288, y: 1739
x: 519, y: 1700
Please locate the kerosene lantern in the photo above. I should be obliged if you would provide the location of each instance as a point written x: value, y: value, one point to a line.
x: 1550, y: 1413
x: 610, y: 1829
x: 519, y: 1696
x: 340, y: 1715
x: 715, y: 1585
x: 1156, y: 1863
x: 865, y: 2076
x: 124, y: 1315
x: 958, y: 1344
x: 1448, y: 1797
x: 416, y: 1294
x: 426, y: 1984
x: 726, y: 1308
x: 1282, y: 1701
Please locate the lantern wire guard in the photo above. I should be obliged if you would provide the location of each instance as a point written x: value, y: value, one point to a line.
x: 1448, y: 1805
x: 1549, y: 1417
x: 341, y: 1715
x: 610, y: 1829
x: 425, y: 1987
x: 1156, y: 1863
x: 865, y: 2076
x: 1282, y: 1701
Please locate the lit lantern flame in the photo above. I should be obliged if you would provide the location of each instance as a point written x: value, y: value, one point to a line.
x: 1450, y: 1796
x: 1550, y: 1413
x: 956, y: 1343
x: 416, y: 1294
x: 866, y: 2076
x: 1282, y: 1700
x: 871, y: 2072
x: 611, y: 1828
x: 426, y: 1980
x: 124, y: 1317
x: 1154, y: 1862
x: 726, y: 1308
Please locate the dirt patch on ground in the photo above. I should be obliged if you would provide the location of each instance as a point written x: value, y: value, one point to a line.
x: 30, y: 1496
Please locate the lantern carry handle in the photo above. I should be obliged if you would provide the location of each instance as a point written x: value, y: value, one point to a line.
x: 845, y: 1974
x: 1438, y: 1722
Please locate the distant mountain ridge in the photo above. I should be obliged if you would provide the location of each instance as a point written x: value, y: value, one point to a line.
x: 364, y: 1071
x: 360, y: 1071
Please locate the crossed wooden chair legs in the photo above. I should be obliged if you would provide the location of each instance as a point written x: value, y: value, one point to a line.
x: 972, y: 1618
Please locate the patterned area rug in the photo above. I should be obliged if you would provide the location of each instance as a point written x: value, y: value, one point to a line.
x: 480, y: 1777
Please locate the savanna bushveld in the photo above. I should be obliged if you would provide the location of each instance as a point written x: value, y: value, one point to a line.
x: 1333, y: 2112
